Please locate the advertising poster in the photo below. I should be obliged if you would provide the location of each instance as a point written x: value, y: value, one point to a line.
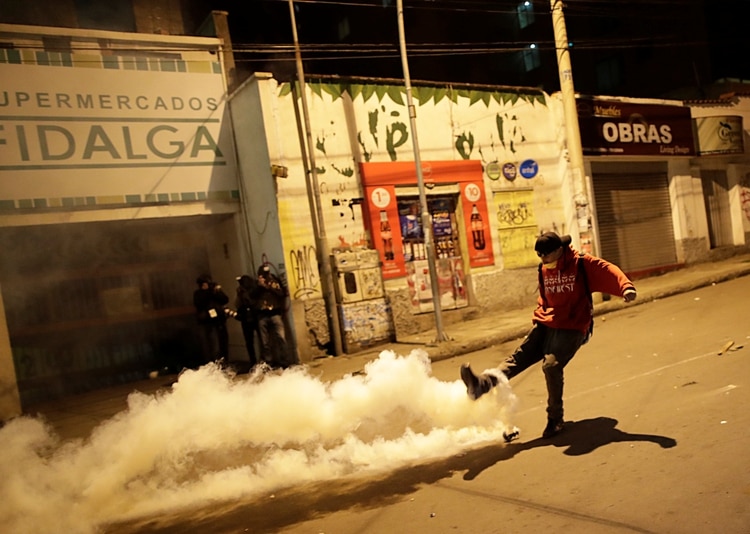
x: 386, y: 229
x: 476, y: 224
x: 517, y: 228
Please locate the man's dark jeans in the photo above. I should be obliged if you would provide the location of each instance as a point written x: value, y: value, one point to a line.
x: 554, y: 347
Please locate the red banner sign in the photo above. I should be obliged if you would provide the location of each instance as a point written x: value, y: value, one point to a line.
x: 381, y: 210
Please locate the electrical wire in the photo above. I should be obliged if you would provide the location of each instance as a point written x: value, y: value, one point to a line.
x: 593, y: 9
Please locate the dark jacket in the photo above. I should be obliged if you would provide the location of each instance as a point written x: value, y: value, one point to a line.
x: 245, y: 299
x: 210, y: 303
x: 564, y: 301
x: 270, y: 295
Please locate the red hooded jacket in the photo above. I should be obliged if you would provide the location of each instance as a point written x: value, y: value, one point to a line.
x: 563, y: 303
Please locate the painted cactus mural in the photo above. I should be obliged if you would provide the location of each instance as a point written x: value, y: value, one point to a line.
x: 369, y: 122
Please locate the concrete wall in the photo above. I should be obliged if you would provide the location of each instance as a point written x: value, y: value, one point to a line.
x: 369, y: 122
x: 688, y: 212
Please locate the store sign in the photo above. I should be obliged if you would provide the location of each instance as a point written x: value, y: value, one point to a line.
x: 510, y: 171
x: 529, y: 169
x: 719, y: 135
x: 493, y: 170
x: 612, y: 128
x: 82, y: 132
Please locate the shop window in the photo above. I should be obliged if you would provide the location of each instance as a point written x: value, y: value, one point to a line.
x: 449, y: 264
x: 444, y: 227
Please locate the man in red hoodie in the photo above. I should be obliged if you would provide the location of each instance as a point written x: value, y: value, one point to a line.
x: 562, y: 321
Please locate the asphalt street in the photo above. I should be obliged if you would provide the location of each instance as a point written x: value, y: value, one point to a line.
x: 656, y: 442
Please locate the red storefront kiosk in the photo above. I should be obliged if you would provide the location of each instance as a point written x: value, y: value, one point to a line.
x: 395, y: 225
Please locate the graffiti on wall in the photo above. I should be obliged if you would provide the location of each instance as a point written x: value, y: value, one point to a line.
x: 385, y: 121
x: 509, y: 137
x: 365, y: 323
x: 396, y: 133
x: 517, y: 227
x: 509, y: 215
x: 303, y: 275
x: 484, y: 125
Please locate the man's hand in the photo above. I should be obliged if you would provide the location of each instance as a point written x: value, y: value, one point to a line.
x: 629, y: 295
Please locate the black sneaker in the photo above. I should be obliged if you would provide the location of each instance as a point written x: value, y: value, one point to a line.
x: 554, y: 427
x: 510, y: 435
x: 476, y: 386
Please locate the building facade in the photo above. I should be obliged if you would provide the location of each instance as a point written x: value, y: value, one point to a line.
x: 496, y: 173
x: 118, y: 187
x: 127, y: 168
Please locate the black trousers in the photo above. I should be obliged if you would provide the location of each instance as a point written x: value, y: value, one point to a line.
x: 554, y: 347
x: 249, y: 328
x: 214, y: 341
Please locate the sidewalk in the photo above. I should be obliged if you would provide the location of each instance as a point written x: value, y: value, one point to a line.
x: 496, y: 328
x: 75, y: 417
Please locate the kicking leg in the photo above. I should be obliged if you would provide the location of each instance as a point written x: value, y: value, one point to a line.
x: 528, y: 353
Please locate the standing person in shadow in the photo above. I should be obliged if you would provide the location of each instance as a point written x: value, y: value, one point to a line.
x: 270, y: 300
x: 210, y: 303
x: 247, y: 313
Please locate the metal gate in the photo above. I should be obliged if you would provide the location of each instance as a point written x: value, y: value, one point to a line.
x: 635, y: 220
x: 101, y: 303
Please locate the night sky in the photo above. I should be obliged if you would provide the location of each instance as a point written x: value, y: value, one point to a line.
x: 700, y: 41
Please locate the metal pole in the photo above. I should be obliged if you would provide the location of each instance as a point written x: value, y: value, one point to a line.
x: 572, y: 131
x: 319, y: 227
x: 426, y: 218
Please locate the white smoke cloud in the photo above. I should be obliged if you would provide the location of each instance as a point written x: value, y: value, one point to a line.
x: 216, y: 437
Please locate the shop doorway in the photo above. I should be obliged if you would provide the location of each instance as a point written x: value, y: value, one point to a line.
x: 448, y: 257
x: 101, y: 303
x: 716, y: 201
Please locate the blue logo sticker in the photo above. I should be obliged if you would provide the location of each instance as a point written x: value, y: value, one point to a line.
x: 529, y: 168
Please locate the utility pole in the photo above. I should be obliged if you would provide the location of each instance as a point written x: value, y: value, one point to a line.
x: 426, y: 218
x: 313, y: 194
x: 572, y: 131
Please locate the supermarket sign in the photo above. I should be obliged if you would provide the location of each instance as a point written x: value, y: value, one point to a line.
x: 70, y: 132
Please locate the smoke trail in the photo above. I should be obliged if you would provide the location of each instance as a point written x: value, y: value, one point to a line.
x: 216, y: 437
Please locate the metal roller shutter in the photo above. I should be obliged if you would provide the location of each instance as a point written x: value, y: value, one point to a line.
x: 635, y: 220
